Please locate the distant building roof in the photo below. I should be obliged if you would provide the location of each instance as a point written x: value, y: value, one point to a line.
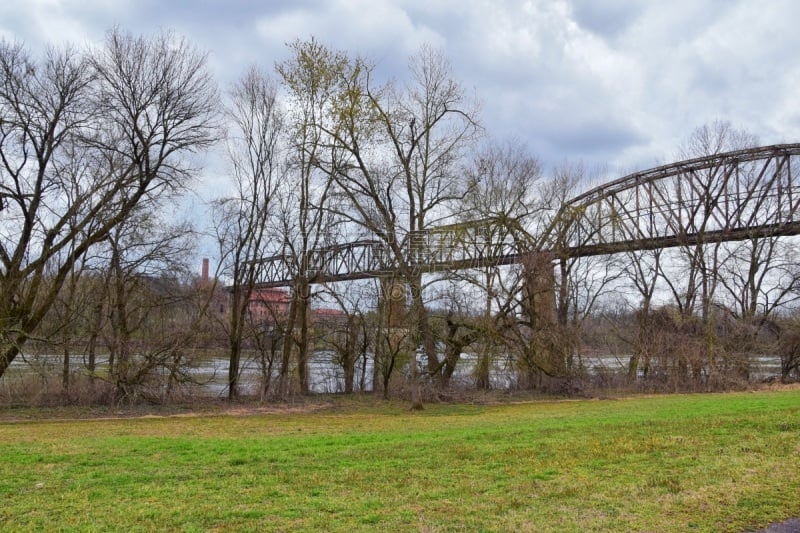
x: 327, y: 311
x: 270, y: 296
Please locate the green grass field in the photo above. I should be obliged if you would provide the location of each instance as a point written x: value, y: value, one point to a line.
x: 716, y: 462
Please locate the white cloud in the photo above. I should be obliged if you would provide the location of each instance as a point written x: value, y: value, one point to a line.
x: 704, y: 61
x: 618, y: 81
x: 371, y: 27
x: 39, y: 22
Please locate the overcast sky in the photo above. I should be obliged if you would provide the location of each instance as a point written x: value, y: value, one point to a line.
x: 618, y: 83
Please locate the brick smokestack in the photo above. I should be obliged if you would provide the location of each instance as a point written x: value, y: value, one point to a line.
x: 204, y: 275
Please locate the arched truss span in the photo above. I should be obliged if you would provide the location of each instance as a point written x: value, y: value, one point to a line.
x: 723, y: 197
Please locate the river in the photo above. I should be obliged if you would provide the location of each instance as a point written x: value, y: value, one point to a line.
x: 326, y: 375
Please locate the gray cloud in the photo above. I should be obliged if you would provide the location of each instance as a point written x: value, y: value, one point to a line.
x: 608, y: 19
x: 619, y: 82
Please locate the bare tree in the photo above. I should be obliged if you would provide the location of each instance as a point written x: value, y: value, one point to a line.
x: 642, y: 269
x: 391, y: 339
x: 759, y: 276
x: 312, y: 76
x: 347, y: 332
x: 695, y: 286
x: 505, y: 181
x: 142, y: 256
x: 65, y: 322
x: 788, y: 347
x: 84, y: 139
x: 265, y: 330
x: 580, y: 282
x: 256, y: 157
x: 400, y: 175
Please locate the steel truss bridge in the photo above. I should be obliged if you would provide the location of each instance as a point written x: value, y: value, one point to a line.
x: 724, y: 197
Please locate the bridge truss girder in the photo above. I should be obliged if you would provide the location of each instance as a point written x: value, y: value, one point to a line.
x: 722, y: 197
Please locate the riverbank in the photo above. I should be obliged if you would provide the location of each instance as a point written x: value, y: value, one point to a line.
x: 312, y: 403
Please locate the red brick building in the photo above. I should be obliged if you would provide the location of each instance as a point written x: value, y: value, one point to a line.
x: 269, y: 303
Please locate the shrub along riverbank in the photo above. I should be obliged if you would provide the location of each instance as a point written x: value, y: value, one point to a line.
x: 714, y: 462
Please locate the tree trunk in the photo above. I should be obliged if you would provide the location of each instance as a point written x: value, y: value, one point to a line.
x: 288, y: 346
x: 9, y: 354
x: 235, y: 339
x: 303, y: 344
x: 484, y: 353
x: 65, y: 368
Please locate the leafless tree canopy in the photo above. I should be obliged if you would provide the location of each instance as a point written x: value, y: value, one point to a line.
x: 483, y: 267
x: 85, y: 138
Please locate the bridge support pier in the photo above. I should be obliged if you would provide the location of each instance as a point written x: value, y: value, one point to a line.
x: 393, y: 302
x: 539, y: 288
x: 392, y: 331
x: 547, y: 349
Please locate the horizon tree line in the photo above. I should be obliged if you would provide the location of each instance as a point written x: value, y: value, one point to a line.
x: 98, y: 143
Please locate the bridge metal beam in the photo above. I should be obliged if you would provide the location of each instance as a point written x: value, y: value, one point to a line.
x: 732, y: 196
x: 723, y: 197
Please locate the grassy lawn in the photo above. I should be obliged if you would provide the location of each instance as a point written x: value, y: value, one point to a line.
x: 716, y: 462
